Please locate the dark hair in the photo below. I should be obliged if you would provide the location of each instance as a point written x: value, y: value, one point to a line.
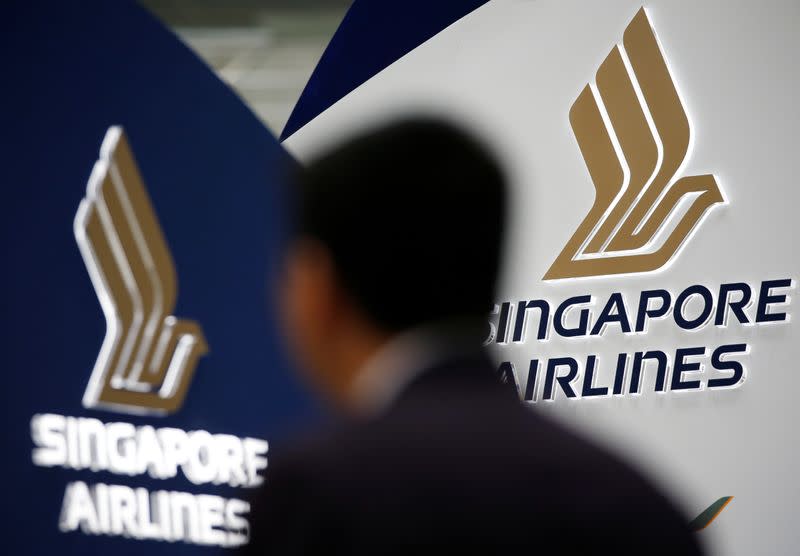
x: 413, y: 215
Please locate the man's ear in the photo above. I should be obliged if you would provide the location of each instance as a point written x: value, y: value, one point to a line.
x: 310, y: 291
x: 314, y: 310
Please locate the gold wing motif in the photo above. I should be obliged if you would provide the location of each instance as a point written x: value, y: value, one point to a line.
x: 634, y: 135
x: 148, y: 356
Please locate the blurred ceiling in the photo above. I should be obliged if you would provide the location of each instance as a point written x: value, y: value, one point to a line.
x: 265, y: 50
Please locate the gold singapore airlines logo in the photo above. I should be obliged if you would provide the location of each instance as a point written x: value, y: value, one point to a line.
x: 634, y: 135
x: 148, y: 356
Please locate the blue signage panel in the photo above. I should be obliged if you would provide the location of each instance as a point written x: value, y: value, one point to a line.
x: 142, y: 232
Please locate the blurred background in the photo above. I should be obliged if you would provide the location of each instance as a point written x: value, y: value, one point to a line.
x: 264, y: 49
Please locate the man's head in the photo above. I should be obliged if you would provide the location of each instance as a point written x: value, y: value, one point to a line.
x: 397, y: 228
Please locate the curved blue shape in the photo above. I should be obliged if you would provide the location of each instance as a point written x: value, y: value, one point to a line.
x: 373, y: 35
x: 213, y: 172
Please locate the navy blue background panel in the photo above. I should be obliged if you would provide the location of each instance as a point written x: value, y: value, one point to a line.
x: 72, y: 69
x: 372, y: 36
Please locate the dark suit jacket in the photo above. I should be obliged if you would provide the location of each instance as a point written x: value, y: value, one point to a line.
x: 457, y: 463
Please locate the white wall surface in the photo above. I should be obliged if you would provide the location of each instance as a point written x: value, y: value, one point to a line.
x: 511, y: 70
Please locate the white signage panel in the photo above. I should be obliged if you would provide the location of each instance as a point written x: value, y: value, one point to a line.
x: 651, y: 263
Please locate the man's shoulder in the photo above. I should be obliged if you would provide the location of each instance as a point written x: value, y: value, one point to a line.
x: 449, y: 465
x: 450, y: 455
x: 459, y: 417
x: 468, y: 440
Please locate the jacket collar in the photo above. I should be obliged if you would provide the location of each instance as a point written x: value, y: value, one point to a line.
x: 401, y: 361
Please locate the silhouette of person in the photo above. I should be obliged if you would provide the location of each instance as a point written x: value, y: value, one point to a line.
x: 388, y: 283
